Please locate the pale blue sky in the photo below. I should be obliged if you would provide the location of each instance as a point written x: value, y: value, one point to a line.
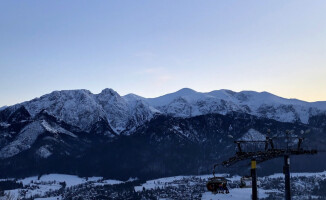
x: 155, y: 47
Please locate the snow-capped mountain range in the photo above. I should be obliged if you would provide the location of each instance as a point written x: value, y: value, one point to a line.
x: 76, y: 131
x: 82, y: 109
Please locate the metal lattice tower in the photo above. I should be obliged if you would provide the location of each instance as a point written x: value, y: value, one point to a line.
x: 263, y: 150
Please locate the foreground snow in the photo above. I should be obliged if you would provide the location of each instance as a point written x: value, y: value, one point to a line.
x: 50, y: 187
x: 300, y: 183
x: 235, y: 194
x: 51, y: 182
x: 71, y: 180
x: 49, y: 198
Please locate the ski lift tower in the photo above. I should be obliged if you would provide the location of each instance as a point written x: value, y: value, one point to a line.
x: 262, y: 150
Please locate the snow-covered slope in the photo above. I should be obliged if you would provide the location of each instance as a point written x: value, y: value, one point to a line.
x: 187, y: 102
x: 3, y: 107
x: 76, y: 107
x: 124, y: 112
x: 24, y: 140
x: 253, y: 134
x: 83, y: 109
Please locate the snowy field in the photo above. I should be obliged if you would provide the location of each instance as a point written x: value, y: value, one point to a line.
x: 50, y: 187
x: 235, y: 194
x: 51, y: 182
x: 300, y: 183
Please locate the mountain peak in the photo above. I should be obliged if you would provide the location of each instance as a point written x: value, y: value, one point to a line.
x: 131, y: 97
x: 108, y: 91
x: 55, y: 95
x: 186, y: 91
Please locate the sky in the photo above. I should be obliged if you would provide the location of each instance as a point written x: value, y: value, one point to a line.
x: 151, y: 48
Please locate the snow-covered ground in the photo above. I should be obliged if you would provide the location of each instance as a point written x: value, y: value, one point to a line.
x: 70, y: 180
x: 49, y: 187
x: 176, y: 181
x: 306, y: 174
x: 235, y: 194
x: 168, y: 181
x: 51, y: 182
x: 49, y: 198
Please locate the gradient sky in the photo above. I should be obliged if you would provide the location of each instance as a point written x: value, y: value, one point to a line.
x: 155, y: 47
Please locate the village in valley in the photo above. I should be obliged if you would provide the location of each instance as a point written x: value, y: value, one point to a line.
x: 58, y: 187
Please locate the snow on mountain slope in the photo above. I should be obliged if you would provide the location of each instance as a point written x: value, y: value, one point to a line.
x: 75, y: 107
x: 55, y: 129
x: 187, y: 103
x: 253, y: 134
x: 188, y: 95
x: 139, y: 112
x: 83, y: 109
x: 115, y: 109
x: 124, y: 112
x: 3, y: 107
x: 44, y: 151
x: 24, y: 140
x: 319, y: 104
